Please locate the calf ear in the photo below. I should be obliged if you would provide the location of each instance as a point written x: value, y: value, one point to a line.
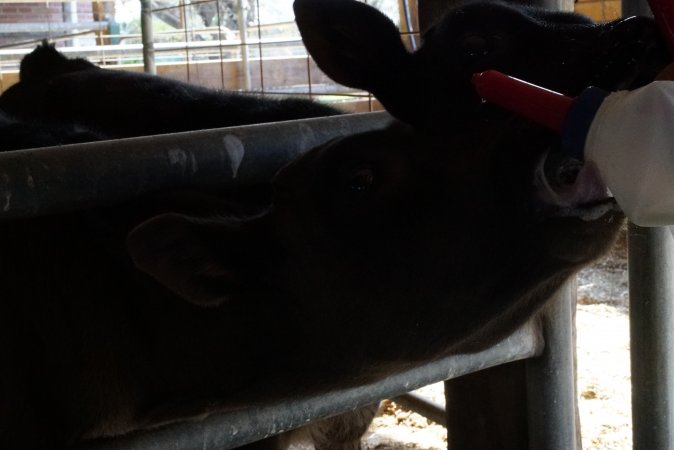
x: 187, y: 256
x: 355, y: 45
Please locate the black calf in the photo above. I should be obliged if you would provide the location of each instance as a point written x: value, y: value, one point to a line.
x: 442, y: 235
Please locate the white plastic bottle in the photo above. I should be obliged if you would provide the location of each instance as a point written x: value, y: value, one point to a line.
x: 631, y: 140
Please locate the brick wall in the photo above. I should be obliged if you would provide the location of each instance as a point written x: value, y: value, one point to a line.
x: 40, y: 12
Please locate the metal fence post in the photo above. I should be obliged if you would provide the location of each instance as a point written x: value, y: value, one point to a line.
x: 551, y: 378
x: 651, y: 274
x: 147, y: 36
x: 651, y: 261
x: 486, y: 410
x: 530, y: 404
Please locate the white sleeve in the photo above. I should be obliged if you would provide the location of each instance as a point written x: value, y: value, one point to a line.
x: 631, y: 140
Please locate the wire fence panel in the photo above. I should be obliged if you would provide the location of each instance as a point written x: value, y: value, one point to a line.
x: 241, y: 45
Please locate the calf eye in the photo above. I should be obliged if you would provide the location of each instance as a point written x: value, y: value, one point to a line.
x: 475, y: 45
x: 361, y: 180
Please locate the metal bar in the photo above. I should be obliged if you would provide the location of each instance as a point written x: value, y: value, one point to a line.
x: 528, y: 405
x: 421, y: 405
x: 148, y: 37
x: 39, y: 27
x: 237, y: 427
x: 650, y: 261
x: 406, y: 23
x: 43, y: 1
x: 192, y: 3
x: 116, y: 49
x: 486, y: 410
x: 243, y: 37
x: 52, y: 38
x: 551, y: 387
x: 57, y: 179
x: 221, y: 52
x: 651, y: 275
x: 70, y: 12
x: 184, y: 19
x: 167, y: 46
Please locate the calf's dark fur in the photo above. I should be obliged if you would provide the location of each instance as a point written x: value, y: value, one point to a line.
x: 58, y: 90
x: 440, y: 233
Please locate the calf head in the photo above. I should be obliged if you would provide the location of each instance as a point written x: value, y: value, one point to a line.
x: 441, y: 232
x: 360, y: 47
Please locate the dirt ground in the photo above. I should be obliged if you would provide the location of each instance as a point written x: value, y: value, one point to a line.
x: 603, y: 372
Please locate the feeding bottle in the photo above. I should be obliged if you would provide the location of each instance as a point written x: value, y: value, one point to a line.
x: 628, y: 135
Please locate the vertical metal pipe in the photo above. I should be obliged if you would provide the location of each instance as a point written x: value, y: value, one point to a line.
x: 651, y: 272
x: 651, y: 261
x: 551, y: 385
x: 70, y: 16
x: 243, y: 36
x: 524, y: 405
x: 487, y: 409
x: 406, y: 22
x: 148, y: 36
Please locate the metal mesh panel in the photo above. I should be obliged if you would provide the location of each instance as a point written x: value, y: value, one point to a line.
x: 244, y: 45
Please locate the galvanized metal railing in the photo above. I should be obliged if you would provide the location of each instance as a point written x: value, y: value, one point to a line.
x: 56, y: 179
x: 231, y: 429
